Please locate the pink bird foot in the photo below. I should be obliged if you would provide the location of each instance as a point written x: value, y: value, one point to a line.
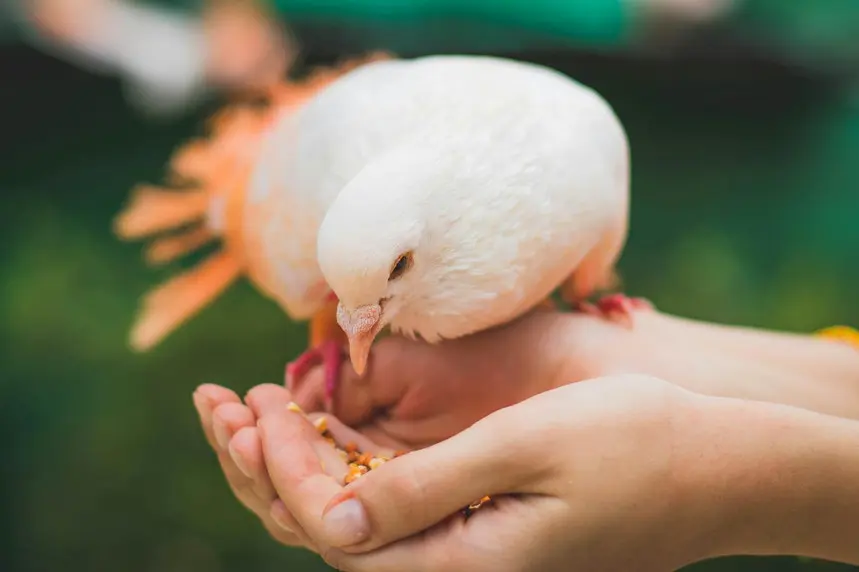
x: 331, y: 356
x: 617, y: 308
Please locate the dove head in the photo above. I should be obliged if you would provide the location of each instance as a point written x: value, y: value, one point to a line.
x: 374, y: 246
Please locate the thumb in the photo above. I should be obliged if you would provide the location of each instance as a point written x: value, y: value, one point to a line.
x: 414, y: 492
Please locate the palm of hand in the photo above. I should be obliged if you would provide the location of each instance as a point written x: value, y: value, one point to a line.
x: 561, y: 500
x: 414, y: 395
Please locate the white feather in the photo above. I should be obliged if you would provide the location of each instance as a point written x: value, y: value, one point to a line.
x: 502, y: 177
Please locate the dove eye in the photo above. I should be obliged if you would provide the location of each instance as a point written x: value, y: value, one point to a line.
x: 402, y: 264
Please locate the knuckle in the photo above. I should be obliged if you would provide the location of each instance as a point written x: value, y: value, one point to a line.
x: 259, y: 393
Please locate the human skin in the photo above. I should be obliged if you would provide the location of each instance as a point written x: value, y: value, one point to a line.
x: 618, y: 473
x: 466, y: 380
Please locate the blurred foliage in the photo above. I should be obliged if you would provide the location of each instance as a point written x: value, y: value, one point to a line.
x: 744, y: 211
x: 822, y: 32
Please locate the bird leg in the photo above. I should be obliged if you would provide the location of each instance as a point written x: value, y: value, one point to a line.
x: 617, y: 308
x: 614, y: 307
x: 326, y: 347
x: 330, y: 355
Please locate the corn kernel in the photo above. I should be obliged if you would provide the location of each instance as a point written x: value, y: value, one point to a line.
x: 293, y: 406
x: 321, y: 424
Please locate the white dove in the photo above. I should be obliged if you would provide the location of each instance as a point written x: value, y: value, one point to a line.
x: 439, y: 196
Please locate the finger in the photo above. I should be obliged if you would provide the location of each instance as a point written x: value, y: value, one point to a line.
x: 245, y: 451
x: 290, y: 444
x: 492, y: 457
x: 242, y: 486
x: 227, y: 419
x: 206, y: 398
x: 218, y: 406
x: 345, y: 435
x: 274, y: 400
x: 234, y: 426
x: 268, y: 398
x: 457, y: 544
x: 237, y: 426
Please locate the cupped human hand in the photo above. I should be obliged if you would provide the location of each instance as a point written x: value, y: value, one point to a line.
x: 417, y: 394
x: 413, y: 395
x: 582, y: 477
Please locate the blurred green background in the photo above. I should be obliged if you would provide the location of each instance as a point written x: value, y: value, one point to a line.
x: 745, y: 210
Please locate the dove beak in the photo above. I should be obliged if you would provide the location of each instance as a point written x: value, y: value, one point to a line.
x: 361, y: 325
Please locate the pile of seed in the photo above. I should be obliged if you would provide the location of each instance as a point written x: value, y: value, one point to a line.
x: 362, y: 463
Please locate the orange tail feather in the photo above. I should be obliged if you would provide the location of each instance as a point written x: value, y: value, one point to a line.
x: 169, y: 248
x: 218, y: 167
x: 171, y: 304
x: 154, y: 209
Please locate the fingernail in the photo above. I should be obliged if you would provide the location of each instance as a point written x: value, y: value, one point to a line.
x: 222, y: 434
x: 238, y: 460
x: 346, y: 523
x: 278, y: 515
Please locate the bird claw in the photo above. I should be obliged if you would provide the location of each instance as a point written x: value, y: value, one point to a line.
x: 331, y: 356
x: 617, y: 308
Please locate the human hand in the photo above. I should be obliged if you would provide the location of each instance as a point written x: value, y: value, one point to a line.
x: 256, y: 494
x: 618, y: 473
x: 451, y: 385
x: 582, y: 477
x: 414, y: 394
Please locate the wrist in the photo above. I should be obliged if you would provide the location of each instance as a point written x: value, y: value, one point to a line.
x: 762, y: 479
x: 744, y: 363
